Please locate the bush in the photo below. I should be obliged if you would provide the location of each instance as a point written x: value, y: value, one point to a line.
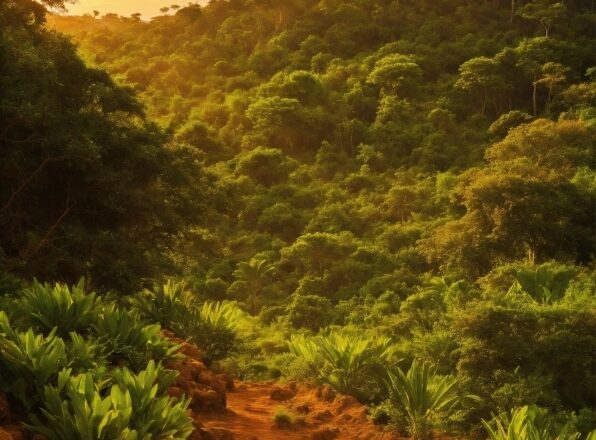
x: 169, y: 304
x: 28, y: 361
x: 554, y: 341
x: 129, y: 341
x: 353, y: 366
x: 310, y: 311
x: 132, y: 408
x: 59, y: 307
x: 424, y: 396
x: 283, y: 417
x: 528, y: 423
x: 214, y: 330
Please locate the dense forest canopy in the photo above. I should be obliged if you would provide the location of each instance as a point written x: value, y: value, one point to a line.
x: 362, y: 120
x: 420, y: 174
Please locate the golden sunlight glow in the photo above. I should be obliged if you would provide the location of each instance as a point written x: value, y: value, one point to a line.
x: 149, y: 8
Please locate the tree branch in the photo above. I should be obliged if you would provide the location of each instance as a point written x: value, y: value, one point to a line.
x: 26, y: 182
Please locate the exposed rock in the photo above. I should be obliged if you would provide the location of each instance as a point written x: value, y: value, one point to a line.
x: 303, y: 409
x: 220, y: 433
x: 206, y: 389
x: 5, y: 435
x: 282, y: 394
x: 326, y: 393
x: 322, y: 415
x: 175, y: 392
x: 325, y: 434
x: 343, y: 402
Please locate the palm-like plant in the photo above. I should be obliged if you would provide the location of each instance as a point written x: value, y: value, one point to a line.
x: 424, y: 396
x: 66, y: 309
x: 528, y: 423
x: 543, y: 284
x: 133, y: 408
x: 253, y: 275
x: 214, y: 330
x: 169, y: 304
x: 28, y: 361
x: 154, y: 415
x: 128, y: 340
x: 353, y: 366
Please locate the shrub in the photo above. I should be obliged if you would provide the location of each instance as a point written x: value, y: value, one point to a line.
x: 153, y: 414
x: 214, y: 330
x: 528, y: 423
x: 84, y: 354
x: 543, y: 284
x: 351, y: 365
x: 169, y: 304
x: 132, y: 408
x: 282, y: 417
x: 310, y: 311
x: 424, y: 396
x: 554, y: 341
x: 66, y: 309
x: 28, y: 361
x: 128, y: 340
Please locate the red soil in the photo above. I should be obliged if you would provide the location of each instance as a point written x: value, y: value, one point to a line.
x: 250, y: 409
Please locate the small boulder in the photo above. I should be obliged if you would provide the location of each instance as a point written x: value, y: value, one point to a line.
x: 281, y: 394
x: 303, y: 409
x: 220, y: 433
x: 325, y: 434
x: 322, y: 415
x: 175, y: 392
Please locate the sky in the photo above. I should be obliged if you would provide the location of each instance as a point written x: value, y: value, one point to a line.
x: 149, y: 8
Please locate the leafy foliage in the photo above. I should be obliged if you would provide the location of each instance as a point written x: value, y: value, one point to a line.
x: 78, y: 409
x: 351, y: 365
x: 528, y: 423
x: 28, y: 361
x: 60, y: 307
x: 424, y: 396
x: 130, y: 341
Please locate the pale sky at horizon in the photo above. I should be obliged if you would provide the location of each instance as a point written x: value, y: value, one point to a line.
x: 149, y: 8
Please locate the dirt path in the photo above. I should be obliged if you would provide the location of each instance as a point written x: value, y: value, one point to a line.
x: 250, y: 410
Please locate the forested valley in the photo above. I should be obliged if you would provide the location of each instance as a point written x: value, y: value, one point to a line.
x: 388, y: 203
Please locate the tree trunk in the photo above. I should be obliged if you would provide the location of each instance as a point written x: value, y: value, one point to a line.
x: 534, y: 87
x: 512, y: 11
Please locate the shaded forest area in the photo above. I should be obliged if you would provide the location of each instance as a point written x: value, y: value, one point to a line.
x: 369, y: 194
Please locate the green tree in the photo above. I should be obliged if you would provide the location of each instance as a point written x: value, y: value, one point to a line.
x: 480, y: 77
x: 251, y: 278
x: 546, y: 12
x: 396, y: 74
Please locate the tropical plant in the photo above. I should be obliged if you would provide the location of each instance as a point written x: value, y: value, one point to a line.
x: 351, y: 365
x: 252, y: 277
x: 74, y: 409
x: 169, y: 304
x: 28, y: 361
x: 424, y: 396
x: 528, y: 423
x: 154, y: 415
x: 84, y: 354
x: 60, y: 307
x: 543, y: 284
x: 215, y: 330
x: 133, y: 408
x: 128, y: 340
